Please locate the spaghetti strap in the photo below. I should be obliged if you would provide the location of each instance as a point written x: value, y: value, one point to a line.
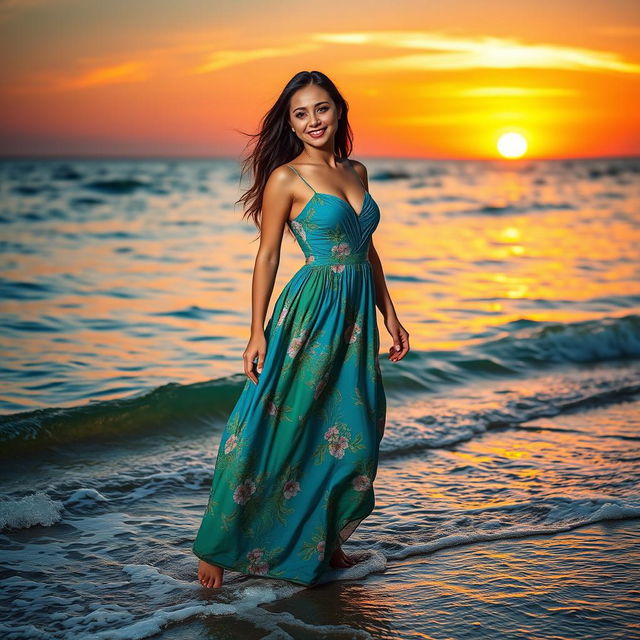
x: 354, y: 170
x: 301, y: 178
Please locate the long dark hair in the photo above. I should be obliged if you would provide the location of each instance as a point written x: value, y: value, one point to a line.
x: 277, y: 144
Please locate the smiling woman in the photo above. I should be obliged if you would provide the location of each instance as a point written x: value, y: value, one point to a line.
x: 298, y: 456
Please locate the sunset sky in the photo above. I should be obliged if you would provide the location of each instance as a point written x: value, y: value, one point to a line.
x: 422, y: 79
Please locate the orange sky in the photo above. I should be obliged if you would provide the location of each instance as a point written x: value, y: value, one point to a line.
x: 423, y: 79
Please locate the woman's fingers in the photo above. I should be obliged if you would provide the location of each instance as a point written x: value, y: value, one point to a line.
x: 260, y: 361
x: 248, y: 367
x: 402, y: 339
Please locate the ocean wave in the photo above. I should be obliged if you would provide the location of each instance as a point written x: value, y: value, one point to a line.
x: 553, y: 342
x: 117, y: 186
x: 185, y: 409
x: 439, y: 423
x: 515, y: 208
x: 560, y: 515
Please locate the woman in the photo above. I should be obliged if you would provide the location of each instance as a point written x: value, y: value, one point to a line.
x: 298, y: 456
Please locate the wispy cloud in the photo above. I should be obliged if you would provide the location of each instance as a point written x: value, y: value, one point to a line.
x: 490, y: 118
x: 178, y: 58
x: 448, y: 53
x: 455, y: 90
x: 517, y: 92
x: 233, y: 57
x: 125, y: 73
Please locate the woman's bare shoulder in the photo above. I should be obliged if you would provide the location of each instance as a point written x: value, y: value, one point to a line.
x: 282, y: 176
x: 360, y: 168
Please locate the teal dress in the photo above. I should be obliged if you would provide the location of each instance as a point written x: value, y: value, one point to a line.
x: 298, y: 456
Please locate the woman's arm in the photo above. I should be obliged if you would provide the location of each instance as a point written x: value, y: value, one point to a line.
x: 276, y: 206
x: 383, y: 298
x: 400, y: 335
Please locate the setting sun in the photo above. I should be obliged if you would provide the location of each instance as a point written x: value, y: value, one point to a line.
x: 512, y: 145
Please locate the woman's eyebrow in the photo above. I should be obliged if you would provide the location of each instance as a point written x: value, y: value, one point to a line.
x: 315, y: 105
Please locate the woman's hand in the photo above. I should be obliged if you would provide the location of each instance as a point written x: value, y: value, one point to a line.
x: 256, y: 348
x: 400, y: 335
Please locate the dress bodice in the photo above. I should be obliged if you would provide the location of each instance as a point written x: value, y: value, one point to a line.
x: 331, y: 232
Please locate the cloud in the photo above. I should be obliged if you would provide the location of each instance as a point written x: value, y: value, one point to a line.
x: 234, y: 57
x: 473, y: 118
x: 453, y: 90
x: 124, y: 73
x: 447, y: 53
x: 502, y: 92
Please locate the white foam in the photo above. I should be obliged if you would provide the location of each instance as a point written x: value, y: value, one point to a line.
x: 244, y: 603
x: 28, y: 511
x: 568, y: 515
x: 85, y: 496
x: 372, y: 561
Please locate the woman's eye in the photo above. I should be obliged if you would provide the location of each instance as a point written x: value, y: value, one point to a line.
x: 302, y: 113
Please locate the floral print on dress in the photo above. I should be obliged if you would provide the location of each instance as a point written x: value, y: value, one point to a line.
x: 282, y: 315
x: 299, y: 229
x: 230, y: 444
x: 291, y: 488
x: 231, y: 449
x: 275, y: 505
x: 260, y: 561
x: 352, y: 332
x: 340, y: 250
x: 314, y: 547
x: 275, y: 408
x: 364, y: 472
x: 296, y: 343
x: 244, y: 491
x: 361, y: 483
x: 309, y: 356
x: 337, y: 440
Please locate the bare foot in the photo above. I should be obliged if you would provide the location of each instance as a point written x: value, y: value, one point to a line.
x: 210, y: 575
x: 340, y: 559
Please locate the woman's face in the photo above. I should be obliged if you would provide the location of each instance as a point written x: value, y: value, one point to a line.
x: 312, y: 111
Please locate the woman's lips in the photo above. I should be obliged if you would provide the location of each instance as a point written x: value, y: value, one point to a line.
x: 317, y: 134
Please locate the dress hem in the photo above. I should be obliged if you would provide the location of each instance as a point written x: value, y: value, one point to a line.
x: 274, y: 577
x: 255, y: 575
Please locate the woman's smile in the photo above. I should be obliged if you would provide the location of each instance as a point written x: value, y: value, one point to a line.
x: 317, y: 133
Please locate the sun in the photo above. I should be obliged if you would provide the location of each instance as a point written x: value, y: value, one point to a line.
x: 512, y: 145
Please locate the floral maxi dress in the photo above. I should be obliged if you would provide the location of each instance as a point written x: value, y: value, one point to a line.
x: 298, y: 456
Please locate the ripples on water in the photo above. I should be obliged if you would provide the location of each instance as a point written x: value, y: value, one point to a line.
x: 125, y: 311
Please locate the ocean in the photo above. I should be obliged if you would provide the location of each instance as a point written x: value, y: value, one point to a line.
x: 507, y: 496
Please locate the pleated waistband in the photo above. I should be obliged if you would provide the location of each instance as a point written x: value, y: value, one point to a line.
x: 327, y: 261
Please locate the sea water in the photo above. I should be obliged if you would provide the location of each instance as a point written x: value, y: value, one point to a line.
x: 507, y: 493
